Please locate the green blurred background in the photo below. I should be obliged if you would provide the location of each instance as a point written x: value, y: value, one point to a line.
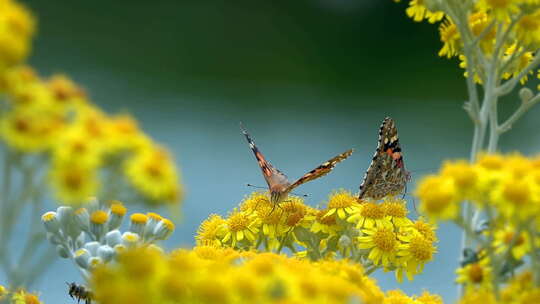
x: 309, y: 79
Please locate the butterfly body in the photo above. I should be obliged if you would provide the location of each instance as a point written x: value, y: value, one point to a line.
x: 386, y: 174
x: 278, y: 184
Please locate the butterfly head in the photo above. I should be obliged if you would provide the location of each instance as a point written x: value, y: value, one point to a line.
x: 279, y: 193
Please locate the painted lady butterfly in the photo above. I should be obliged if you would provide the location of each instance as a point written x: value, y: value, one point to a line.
x: 278, y: 185
x: 386, y: 174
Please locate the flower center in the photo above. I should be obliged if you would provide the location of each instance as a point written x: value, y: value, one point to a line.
x: 517, y: 192
x: 476, y: 273
x: 372, y: 210
x: 421, y: 249
x: 238, y: 222
x: 509, y: 237
x: 385, y: 240
x: 395, y: 209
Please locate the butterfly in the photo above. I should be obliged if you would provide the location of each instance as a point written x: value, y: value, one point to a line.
x: 386, y: 175
x: 278, y: 184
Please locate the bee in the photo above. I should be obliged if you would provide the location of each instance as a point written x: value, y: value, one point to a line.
x: 79, y: 292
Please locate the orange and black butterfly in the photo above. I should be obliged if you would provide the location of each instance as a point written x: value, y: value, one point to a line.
x: 386, y: 174
x: 278, y: 184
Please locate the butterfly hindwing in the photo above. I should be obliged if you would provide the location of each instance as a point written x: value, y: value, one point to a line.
x: 274, y: 178
x: 321, y: 170
x: 386, y: 175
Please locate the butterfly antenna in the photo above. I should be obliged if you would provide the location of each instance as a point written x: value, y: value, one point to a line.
x: 300, y: 194
x: 258, y: 187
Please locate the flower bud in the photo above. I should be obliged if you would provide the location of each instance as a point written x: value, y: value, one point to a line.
x: 130, y: 239
x: 118, y: 249
x: 116, y: 214
x: 525, y: 94
x: 138, y: 223
x: 105, y: 252
x: 98, y: 220
x: 67, y: 222
x: 62, y: 252
x: 344, y: 241
x: 81, y: 258
x: 92, y: 247
x: 82, y: 218
x: 153, y: 220
x: 51, y: 223
x: 93, y: 262
x: 163, y: 229
x: 113, y: 238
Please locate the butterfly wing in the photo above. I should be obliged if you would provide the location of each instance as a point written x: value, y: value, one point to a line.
x: 321, y: 170
x: 273, y: 177
x: 386, y: 174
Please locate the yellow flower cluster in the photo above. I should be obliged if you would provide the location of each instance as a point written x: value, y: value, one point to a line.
x: 376, y: 235
x: 208, y: 274
x: 20, y: 296
x: 506, y: 29
x: 16, y: 30
x: 55, y: 119
x: 521, y: 289
x: 506, y: 192
x: 509, y: 186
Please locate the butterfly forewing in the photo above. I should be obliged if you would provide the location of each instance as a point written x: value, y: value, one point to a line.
x: 386, y: 174
x: 321, y: 170
x: 274, y: 178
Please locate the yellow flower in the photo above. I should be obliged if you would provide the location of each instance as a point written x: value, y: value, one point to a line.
x: 66, y: 95
x: 465, y: 178
x: 426, y: 229
x: 17, y: 26
x: 3, y: 292
x: 518, y: 64
x: 31, y: 131
x: 383, y: 244
x: 370, y: 215
x: 322, y: 222
x: 73, y: 183
x: 504, y: 238
x: 418, y: 12
x: 343, y: 203
x: 478, y: 22
x: 241, y: 227
x: 500, y: 9
x: 396, y: 212
x: 427, y: 298
x: 73, y: 146
x: 478, y: 296
x: 416, y: 251
x: 450, y: 39
x: 528, y: 29
x: 211, y: 231
x: 152, y: 172
x: 477, y: 274
x: 397, y: 297
x: 516, y: 198
x: 438, y: 197
x: 23, y: 297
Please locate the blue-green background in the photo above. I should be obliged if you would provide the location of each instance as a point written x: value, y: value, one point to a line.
x: 309, y: 79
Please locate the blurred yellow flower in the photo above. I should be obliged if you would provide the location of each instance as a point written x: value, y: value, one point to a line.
x: 475, y: 274
x: 16, y: 31
x: 418, y: 12
x: 152, y: 172
x: 505, y: 237
x: 450, y: 39
x: 73, y: 183
x: 438, y: 197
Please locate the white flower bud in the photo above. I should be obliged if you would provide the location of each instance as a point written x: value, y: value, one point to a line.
x: 113, y: 238
x: 153, y: 220
x: 118, y: 249
x: 82, y: 218
x: 67, y: 222
x: 138, y: 223
x: 81, y: 258
x: 344, y: 241
x: 50, y: 221
x: 116, y: 214
x: 93, y: 262
x: 62, y: 252
x: 106, y: 253
x: 92, y: 247
x: 81, y: 240
x: 130, y: 239
x: 98, y: 223
x: 163, y: 229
